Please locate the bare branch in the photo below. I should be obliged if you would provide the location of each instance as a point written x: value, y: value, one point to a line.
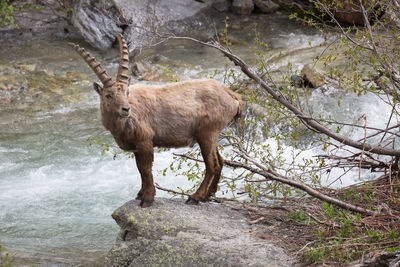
x: 311, y: 122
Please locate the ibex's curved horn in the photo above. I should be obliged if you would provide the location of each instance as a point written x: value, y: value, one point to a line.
x: 123, y: 69
x: 105, y: 79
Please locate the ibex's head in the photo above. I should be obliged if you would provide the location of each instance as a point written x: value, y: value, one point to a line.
x: 113, y: 94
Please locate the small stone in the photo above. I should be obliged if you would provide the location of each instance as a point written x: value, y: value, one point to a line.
x: 266, y: 6
x: 149, y: 72
x: 14, y: 88
x: 221, y: 5
x: 243, y: 7
x: 159, y: 59
x: 76, y: 76
x: 3, y: 87
x: 236, y: 27
x: 48, y: 72
x: 27, y: 67
x: 5, y: 100
x: 313, y: 76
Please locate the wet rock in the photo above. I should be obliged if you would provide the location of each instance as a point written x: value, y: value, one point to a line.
x: 266, y: 6
x: 243, y: 7
x: 46, y: 72
x: 145, y: 70
x: 76, y: 76
x: 311, y: 75
x: 170, y: 233
x: 257, y: 109
x: 159, y: 59
x: 4, y: 87
x: 5, y: 100
x: 26, y: 67
x: 98, y: 21
x: 221, y: 5
x: 299, y: 81
x: 350, y: 12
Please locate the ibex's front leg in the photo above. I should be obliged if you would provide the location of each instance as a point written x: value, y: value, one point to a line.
x: 144, y: 162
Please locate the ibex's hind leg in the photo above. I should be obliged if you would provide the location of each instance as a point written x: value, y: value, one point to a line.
x: 144, y: 162
x: 208, y: 151
x: 213, y: 188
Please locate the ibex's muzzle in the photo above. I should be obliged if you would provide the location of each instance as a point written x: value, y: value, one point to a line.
x: 125, y: 109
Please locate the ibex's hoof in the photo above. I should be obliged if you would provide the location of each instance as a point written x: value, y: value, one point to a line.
x: 145, y: 203
x: 192, y: 201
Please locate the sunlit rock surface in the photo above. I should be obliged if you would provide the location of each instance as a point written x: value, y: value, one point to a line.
x: 141, y: 21
x: 170, y: 233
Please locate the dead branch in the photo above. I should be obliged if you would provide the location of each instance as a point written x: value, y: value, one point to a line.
x: 272, y: 175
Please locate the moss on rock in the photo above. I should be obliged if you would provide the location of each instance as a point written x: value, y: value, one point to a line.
x: 170, y: 233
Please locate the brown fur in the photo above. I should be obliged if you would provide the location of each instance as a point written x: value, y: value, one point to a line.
x: 142, y: 116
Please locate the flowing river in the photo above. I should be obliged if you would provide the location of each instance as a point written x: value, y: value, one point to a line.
x: 57, y: 191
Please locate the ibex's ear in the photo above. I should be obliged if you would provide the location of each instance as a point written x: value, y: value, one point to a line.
x: 98, y: 88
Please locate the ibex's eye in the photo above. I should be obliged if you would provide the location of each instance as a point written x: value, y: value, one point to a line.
x: 109, y: 96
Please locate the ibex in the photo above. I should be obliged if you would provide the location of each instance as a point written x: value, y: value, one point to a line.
x: 179, y: 114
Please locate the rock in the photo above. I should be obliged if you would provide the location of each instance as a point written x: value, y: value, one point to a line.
x: 98, y: 21
x: 299, y: 81
x: 149, y: 72
x: 221, y: 5
x: 243, y: 7
x: 266, y: 6
x: 48, y: 21
x: 140, y: 67
x: 46, y: 72
x: 312, y: 76
x: 170, y: 233
x: 4, y: 87
x: 392, y: 15
x: 5, y: 100
x: 76, y: 76
x: 26, y: 67
x: 390, y: 259
x: 350, y: 13
x: 257, y: 109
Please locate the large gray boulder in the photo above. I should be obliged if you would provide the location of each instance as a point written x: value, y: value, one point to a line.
x: 97, y: 21
x: 141, y: 22
x: 170, y: 233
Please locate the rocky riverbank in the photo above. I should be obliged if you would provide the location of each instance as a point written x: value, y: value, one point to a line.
x: 170, y: 233
x: 141, y: 22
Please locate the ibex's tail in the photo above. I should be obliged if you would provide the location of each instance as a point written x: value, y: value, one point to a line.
x: 239, y: 101
x: 240, y: 107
